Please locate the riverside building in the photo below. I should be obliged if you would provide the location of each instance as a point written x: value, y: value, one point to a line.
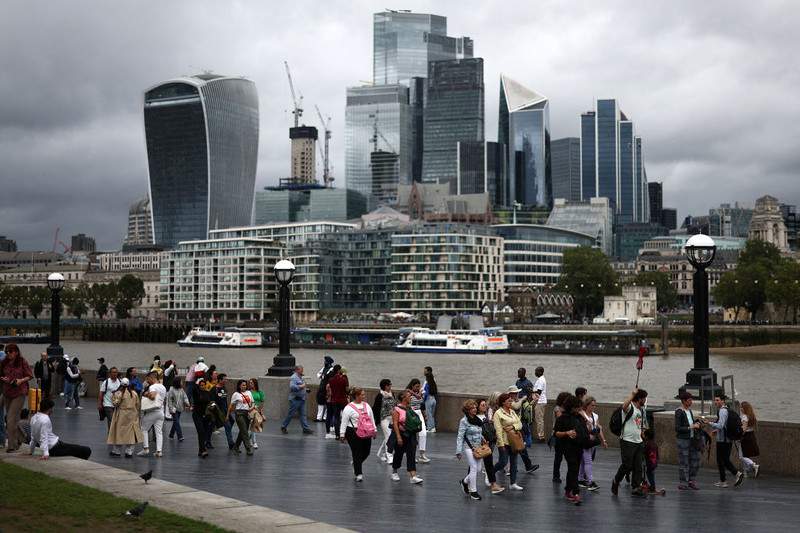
x: 202, y: 147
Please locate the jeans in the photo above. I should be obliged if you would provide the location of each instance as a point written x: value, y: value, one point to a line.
x: 334, y: 418
x: 189, y: 391
x: 430, y: 409
x: 724, y: 459
x: 176, y: 425
x: 632, y: 458
x: 651, y: 478
x: 295, y: 405
x: 72, y: 391
x: 688, y: 460
x: 228, y: 433
x: 504, y: 458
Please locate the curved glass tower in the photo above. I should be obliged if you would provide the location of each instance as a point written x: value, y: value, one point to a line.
x: 202, y: 148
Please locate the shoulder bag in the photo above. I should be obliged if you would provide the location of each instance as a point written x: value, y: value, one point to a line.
x: 151, y: 405
x: 515, y: 441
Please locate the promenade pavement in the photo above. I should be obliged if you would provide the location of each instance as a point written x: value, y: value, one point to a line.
x: 297, y: 481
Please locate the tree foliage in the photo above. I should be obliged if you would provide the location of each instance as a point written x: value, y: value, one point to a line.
x: 76, y: 299
x: 129, y: 294
x: 35, y: 300
x: 587, y: 275
x: 784, y: 291
x: 101, y: 295
x: 666, y: 293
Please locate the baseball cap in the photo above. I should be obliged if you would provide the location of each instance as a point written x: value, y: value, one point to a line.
x: 101, y: 359
x: 200, y: 360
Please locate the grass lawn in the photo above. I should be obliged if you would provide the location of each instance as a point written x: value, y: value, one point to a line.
x: 30, y: 501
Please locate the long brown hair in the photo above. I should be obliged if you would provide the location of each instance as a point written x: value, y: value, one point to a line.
x: 747, y: 409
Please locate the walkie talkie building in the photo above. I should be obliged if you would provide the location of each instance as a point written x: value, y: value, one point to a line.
x: 202, y: 148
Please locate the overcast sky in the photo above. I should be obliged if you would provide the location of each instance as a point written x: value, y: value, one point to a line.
x: 713, y: 88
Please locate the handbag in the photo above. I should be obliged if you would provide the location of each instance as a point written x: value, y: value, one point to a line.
x: 515, y: 441
x: 151, y: 405
x: 749, y: 445
x: 481, y: 451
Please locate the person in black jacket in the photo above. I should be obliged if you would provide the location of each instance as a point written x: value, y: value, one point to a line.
x: 569, y: 428
x: 43, y: 371
x: 688, y: 457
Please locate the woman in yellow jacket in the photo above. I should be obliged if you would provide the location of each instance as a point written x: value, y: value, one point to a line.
x: 505, y: 420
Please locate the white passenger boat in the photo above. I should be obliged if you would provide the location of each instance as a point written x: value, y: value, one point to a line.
x: 430, y: 341
x: 227, y: 338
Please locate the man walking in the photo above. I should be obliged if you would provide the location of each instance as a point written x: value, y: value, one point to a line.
x: 297, y: 401
x: 104, y: 397
x: 219, y: 394
x: 153, y: 418
x: 102, y: 372
x: 724, y: 444
x: 43, y: 371
x: 631, y: 445
x: 42, y: 434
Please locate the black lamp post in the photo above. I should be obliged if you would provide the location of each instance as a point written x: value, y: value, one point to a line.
x: 283, y: 364
x: 700, y: 251
x: 55, y: 282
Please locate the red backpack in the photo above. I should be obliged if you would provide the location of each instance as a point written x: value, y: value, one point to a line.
x: 366, y: 428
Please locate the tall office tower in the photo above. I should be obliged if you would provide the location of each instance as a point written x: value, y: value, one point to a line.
x: 377, y: 140
x: 304, y: 146
x: 202, y: 148
x: 565, y: 160
x: 454, y: 111
x: 655, y: 193
x: 524, y: 126
x: 140, y: 225
x: 482, y: 168
x: 404, y: 43
x: 612, y: 163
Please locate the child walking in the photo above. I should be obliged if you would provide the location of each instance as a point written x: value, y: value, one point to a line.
x: 650, y: 460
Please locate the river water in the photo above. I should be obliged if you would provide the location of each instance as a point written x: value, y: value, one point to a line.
x: 769, y: 382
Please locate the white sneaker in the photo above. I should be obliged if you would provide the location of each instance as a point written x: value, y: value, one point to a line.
x: 755, y: 470
x: 423, y: 459
x: 416, y: 480
x: 516, y: 487
x: 68, y: 408
x: 382, y: 458
x: 255, y: 445
x: 79, y: 407
x: 486, y: 481
x: 158, y: 454
x: 330, y: 436
x: 389, y: 458
x: 61, y: 394
x: 431, y: 430
x: 144, y: 452
x: 359, y: 478
x: 395, y: 477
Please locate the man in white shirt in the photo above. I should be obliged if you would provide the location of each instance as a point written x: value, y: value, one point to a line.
x: 104, y: 397
x: 540, y: 396
x: 155, y: 417
x: 42, y: 434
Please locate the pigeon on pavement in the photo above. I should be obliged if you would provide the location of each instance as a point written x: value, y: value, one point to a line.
x: 146, y: 476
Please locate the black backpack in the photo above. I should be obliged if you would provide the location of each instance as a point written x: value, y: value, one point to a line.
x: 488, y: 431
x: 733, y: 427
x: 616, y: 423
x: 61, y: 369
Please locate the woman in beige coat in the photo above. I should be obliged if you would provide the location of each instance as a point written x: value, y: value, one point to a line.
x: 125, y: 427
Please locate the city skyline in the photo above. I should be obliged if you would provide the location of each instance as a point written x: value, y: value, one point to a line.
x: 711, y: 88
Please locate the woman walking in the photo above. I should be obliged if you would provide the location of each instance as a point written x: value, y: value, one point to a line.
x: 748, y: 446
x: 470, y: 436
x: 258, y: 399
x: 585, y: 475
x: 382, y: 407
x: 567, y: 429
x: 125, y: 429
x: 557, y: 412
x: 414, y: 388
x: 431, y: 390
x: 241, y: 404
x: 406, y: 439
x: 176, y: 401
x: 351, y: 420
x: 170, y: 373
x: 506, y: 420
x: 686, y: 425
x: 15, y: 372
x: 490, y: 436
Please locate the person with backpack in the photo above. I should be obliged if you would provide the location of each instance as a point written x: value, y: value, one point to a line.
x: 571, y: 428
x: 728, y: 429
x: 631, y: 445
x: 406, y: 424
x: 585, y: 474
x: 688, y: 457
x: 358, y: 428
x: 74, y: 378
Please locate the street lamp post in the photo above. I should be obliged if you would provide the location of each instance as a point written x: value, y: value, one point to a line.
x: 700, y: 251
x: 283, y: 364
x: 55, y: 282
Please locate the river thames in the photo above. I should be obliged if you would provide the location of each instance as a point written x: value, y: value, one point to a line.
x: 769, y: 382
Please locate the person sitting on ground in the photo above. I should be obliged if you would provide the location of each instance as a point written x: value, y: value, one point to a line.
x: 49, y: 443
x: 25, y: 425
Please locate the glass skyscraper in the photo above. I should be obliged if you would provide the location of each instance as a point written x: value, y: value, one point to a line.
x: 566, y: 165
x: 454, y: 111
x: 524, y: 126
x: 404, y: 43
x: 612, y: 163
x: 482, y: 168
x: 378, y: 153
x: 202, y: 147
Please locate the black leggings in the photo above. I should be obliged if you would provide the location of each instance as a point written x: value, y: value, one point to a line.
x: 200, y: 427
x: 409, y: 449
x: 488, y: 464
x: 724, y: 459
x: 358, y: 447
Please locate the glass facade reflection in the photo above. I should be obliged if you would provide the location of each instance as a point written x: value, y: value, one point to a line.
x: 378, y: 144
x: 524, y: 125
x: 335, y: 205
x: 482, y: 168
x: 202, y: 147
x: 566, y: 164
x: 612, y: 162
x: 454, y: 112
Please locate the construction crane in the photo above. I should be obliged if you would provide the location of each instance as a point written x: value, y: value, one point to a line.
x: 298, y: 102
x: 326, y: 125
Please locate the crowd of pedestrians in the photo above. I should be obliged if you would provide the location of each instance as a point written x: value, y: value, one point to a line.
x: 507, y: 423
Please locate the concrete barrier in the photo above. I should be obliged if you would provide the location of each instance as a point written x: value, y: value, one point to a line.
x: 776, y: 440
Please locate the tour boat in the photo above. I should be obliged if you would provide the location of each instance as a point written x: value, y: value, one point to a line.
x: 430, y: 341
x: 227, y: 338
